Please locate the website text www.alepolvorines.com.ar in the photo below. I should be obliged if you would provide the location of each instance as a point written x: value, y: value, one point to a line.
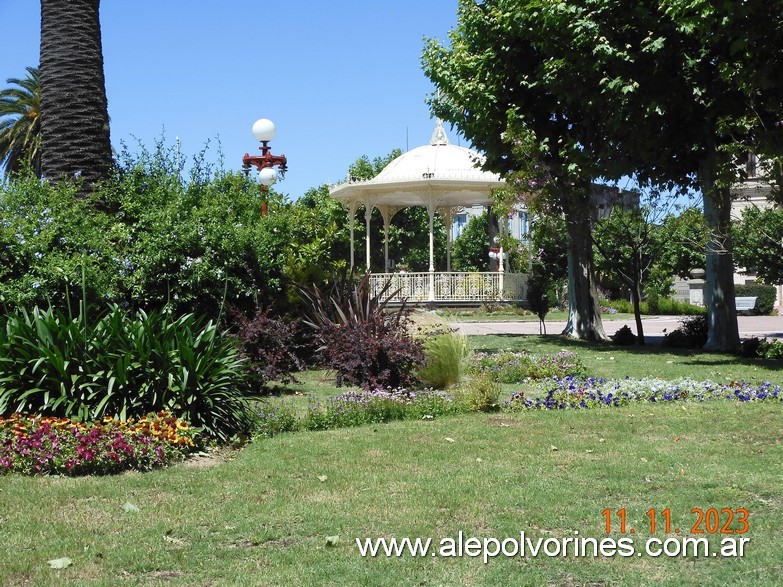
x: 574, y: 546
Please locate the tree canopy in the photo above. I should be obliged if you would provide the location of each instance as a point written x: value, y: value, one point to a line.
x: 758, y: 243
x: 670, y: 91
x: 495, y: 87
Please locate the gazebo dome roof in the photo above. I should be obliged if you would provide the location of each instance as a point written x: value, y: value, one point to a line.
x: 438, y: 173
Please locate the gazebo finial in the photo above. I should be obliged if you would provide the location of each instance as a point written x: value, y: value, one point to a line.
x: 439, y: 135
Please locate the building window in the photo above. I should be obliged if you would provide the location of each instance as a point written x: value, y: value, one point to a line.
x: 460, y: 221
x: 524, y: 226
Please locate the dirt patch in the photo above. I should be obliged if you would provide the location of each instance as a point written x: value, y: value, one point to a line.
x: 500, y: 421
x: 374, y: 453
x: 210, y: 458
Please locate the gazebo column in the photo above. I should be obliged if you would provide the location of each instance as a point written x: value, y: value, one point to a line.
x: 385, y: 246
x: 351, y: 225
x: 502, y: 272
x: 448, y: 247
x: 387, y: 212
x: 501, y: 262
x: 368, y: 207
x: 431, y: 213
x: 448, y: 215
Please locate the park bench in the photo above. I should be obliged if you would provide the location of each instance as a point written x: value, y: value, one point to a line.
x: 745, y: 304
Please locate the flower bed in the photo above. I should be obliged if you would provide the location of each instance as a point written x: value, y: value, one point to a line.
x: 574, y: 392
x: 48, y: 445
x: 357, y: 407
x: 516, y: 367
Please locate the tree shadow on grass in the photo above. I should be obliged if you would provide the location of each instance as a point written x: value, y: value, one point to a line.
x: 737, y: 361
x: 654, y: 347
x: 699, y: 356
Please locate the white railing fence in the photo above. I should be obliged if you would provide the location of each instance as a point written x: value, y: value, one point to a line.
x: 452, y: 286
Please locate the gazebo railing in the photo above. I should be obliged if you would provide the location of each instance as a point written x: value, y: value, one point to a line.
x: 456, y: 287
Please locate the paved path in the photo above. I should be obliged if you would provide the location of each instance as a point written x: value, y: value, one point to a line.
x: 654, y: 327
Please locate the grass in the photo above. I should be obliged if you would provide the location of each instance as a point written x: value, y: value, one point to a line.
x: 601, y: 360
x: 612, y: 362
x: 264, y: 516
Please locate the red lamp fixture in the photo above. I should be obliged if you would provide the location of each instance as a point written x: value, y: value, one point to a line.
x: 264, y: 131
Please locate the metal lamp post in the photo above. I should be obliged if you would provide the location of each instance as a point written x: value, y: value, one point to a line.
x: 264, y: 131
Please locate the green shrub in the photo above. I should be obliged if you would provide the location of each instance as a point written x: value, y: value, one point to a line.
x: 121, y: 366
x: 270, y: 421
x: 662, y: 306
x: 670, y: 307
x: 444, y: 357
x: 148, y: 239
x: 538, y: 296
x: 355, y: 408
x: 624, y: 337
x: 754, y: 347
x: 764, y: 294
x: 49, y: 237
x: 691, y: 335
x: 480, y: 393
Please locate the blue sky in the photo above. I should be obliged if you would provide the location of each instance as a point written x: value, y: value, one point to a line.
x: 339, y: 79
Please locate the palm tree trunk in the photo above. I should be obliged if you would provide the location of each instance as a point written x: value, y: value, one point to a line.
x: 74, y: 116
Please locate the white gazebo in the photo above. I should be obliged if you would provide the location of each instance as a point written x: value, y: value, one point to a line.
x: 443, y: 178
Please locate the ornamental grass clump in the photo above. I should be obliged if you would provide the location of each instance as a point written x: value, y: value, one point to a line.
x: 38, y: 445
x: 577, y: 393
x: 444, y: 359
x: 480, y: 393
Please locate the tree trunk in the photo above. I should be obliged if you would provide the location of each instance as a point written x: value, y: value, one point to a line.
x: 584, y: 313
x: 723, y: 333
x: 636, y: 296
x: 75, y: 140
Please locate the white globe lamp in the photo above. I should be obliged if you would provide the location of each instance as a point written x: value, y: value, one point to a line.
x: 264, y: 130
x: 267, y: 176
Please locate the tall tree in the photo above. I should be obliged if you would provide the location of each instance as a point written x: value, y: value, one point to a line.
x: 686, y: 86
x: 75, y: 140
x: 495, y: 85
x: 671, y: 90
x: 627, y: 248
x: 20, y: 124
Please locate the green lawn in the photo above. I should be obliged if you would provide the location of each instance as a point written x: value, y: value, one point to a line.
x: 612, y: 362
x: 601, y: 360
x: 263, y: 518
x: 264, y: 515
